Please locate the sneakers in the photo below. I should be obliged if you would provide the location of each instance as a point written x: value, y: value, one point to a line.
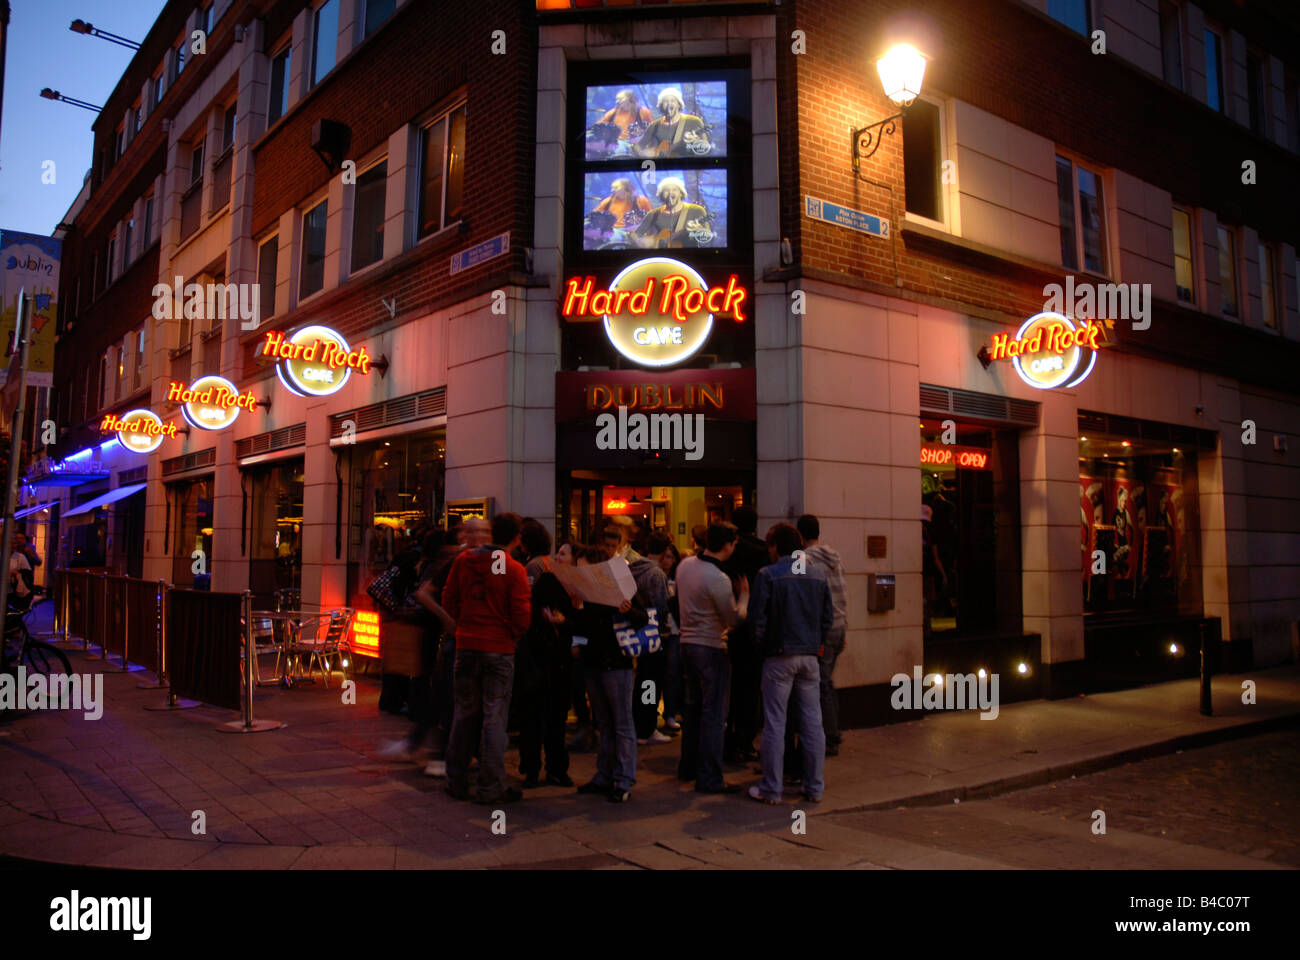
x: 672, y: 724
x: 619, y: 795
x: 559, y: 780
x: 756, y: 794
x: 436, y: 768
x: 658, y: 737
x: 394, y: 751
x: 593, y: 787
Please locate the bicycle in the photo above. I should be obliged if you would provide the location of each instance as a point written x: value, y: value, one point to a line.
x: 20, y: 647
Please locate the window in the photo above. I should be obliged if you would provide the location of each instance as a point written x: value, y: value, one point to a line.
x: 368, y: 216
x: 121, y: 368
x: 377, y: 11
x: 159, y: 88
x: 1072, y: 13
x: 1184, y: 273
x: 1171, y: 43
x: 1255, y: 93
x: 118, y: 138
x: 127, y: 231
x: 196, y: 163
x: 442, y: 173
x: 109, y: 257
x: 180, y: 58
x: 1293, y: 116
x: 204, y: 22
x: 268, y: 255
x: 313, y: 249
x: 1228, y: 271
x: 923, y: 159
x: 1213, y: 70
x: 103, y: 381
x: 147, y: 237
x: 1267, y: 275
x: 279, y: 86
x: 228, y: 123
x: 185, y: 331
x: 325, y: 40
x: 1083, y: 228
x: 139, y: 357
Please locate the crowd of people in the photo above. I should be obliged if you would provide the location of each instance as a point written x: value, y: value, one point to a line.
x: 748, y: 631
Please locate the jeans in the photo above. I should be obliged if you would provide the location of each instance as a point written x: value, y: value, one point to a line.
x: 708, y: 679
x: 445, y: 688
x: 793, y: 681
x: 611, y: 705
x: 672, y: 676
x: 543, y: 710
x: 829, y: 698
x: 649, y: 669
x: 482, y: 704
x: 744, y: 722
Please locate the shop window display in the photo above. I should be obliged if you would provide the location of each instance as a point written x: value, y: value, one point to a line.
x: 1138, y: 526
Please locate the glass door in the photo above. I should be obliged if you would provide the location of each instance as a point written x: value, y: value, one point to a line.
x: 274, y: 530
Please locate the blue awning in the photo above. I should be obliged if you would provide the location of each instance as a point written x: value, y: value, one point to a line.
x: 111, y: 497
x: 32, y: 508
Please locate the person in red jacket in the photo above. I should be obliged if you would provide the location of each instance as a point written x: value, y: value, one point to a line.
x: 487, y: 595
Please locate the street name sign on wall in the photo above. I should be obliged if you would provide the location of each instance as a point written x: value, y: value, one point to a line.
x: 498, y: 246
x: 847, y: 217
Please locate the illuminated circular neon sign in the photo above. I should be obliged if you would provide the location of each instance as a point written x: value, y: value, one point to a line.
x: 314, y: 361
x: 140, y: 431
x: 657, y: 311
x: 212, y: 402
x: 1051, y: 350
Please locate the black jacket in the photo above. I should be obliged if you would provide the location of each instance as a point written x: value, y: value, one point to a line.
x: 595, y: 621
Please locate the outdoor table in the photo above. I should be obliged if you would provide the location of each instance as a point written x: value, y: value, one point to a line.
x: 292, y: 620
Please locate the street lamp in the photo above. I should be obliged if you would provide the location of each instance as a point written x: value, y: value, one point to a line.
x: 49, y: 94
x: 901, y: 71
x: 90, y: 30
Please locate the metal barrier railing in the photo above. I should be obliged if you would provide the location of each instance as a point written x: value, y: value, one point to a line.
x: 198, y: 643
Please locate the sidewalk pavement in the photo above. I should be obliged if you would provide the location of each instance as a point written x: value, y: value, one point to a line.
x: 123, y: 790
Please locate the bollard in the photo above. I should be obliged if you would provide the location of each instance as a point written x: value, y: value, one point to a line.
x: 161, y: 659
x: 1207, y: 704
x: 248, y: 724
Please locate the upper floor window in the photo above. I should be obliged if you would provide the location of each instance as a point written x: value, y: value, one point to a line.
x: 127, y: 249
x: 377, y: 11
x: 159, y: 87
x: 140, y: 361
x: 1255, y: 94
x: 279, y: 104
x: 1293, y: 115
x: 119, y: 143
x: 146, y: 236
x: 204, y: 22
x: 1214, y: 70
x: 1267, y: 279
x: 313, y: 249
x: 923, y: 159
x: 1171, y: 43
x: 1082, y: 213
x: 268, y: 257
x: 442, y: 171
x: 228, y: 123
x: 1072, y: 13
x: 324, y: 40
x: 368, y: 216
x: 180, y: 58
x: 196, y: 163
x: 1228, y: 271
x: 110, y: 258
x: 103, y: 380
x: 1184, y: 271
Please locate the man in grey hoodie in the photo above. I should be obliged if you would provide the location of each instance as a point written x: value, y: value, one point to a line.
x: 828, y: 562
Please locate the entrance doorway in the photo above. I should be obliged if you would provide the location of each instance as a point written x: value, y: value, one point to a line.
x: 274, y: 530
x: 590, y: 498
x: 191, y: 510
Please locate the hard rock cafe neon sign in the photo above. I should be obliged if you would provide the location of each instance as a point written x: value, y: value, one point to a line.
x: 140, y: 431
x: 1051, y: 350
x: 314, y: 361
x: 210, y: 403
x: 657, y: 311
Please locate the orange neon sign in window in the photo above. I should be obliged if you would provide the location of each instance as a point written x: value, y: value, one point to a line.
x: 946, y: 455
x: 365, y: 633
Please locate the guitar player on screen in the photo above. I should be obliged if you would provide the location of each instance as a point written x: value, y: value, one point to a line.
x: 675, y: 223
x: 674, y: 134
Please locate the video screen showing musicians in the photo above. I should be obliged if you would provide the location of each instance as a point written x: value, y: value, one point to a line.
x: 663, y: 210
x: 663, y: 120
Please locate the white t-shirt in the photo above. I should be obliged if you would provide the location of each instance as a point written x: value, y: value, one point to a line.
x: 17, y: 563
